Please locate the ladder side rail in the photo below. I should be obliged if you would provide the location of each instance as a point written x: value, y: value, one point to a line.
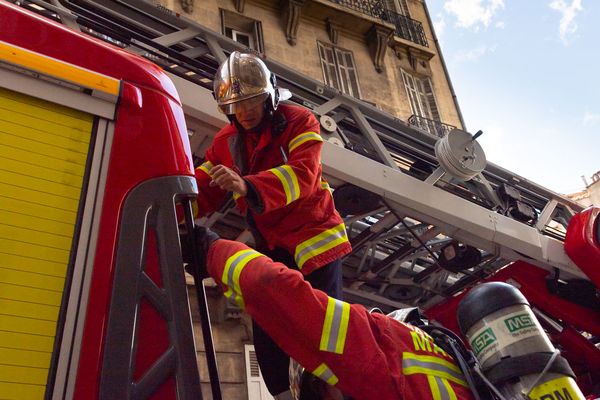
x: 461, y: 220
x: 380, y: 121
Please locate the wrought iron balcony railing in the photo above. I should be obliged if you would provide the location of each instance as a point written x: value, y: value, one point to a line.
x: 407, y: 28
x: 436, y: 128
x: 374, y: 8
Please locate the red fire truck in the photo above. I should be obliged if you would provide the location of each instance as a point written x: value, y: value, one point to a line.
x: 94, y: 159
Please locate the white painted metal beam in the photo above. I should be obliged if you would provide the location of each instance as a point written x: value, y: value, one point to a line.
x: 457, y: 217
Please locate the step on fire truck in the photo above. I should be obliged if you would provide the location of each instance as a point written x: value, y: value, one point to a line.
x: 95, y: 155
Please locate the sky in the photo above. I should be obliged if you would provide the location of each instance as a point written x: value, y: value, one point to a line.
x: 527, y: 73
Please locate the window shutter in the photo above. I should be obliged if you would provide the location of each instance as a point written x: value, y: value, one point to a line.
x: 398, y: 6
x: 429, y: 95
x: 257, y: 28
x: 257, y: 390
x: 411, y: 93
x: 328, y: 65
x: 403, y: 8
x: 347, y: 72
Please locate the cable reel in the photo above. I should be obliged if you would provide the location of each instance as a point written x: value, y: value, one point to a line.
x: 460, y: 155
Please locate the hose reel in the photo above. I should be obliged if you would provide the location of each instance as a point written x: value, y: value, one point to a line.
x: 460, y: 155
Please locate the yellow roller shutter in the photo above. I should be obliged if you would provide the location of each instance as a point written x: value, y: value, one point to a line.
x: 43, y: 153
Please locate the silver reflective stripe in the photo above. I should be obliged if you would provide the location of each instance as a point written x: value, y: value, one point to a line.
x: 431, y: 366
x: 336, y: 235
x: 302, y: 138
x: 326, y: 374
x: 290, y: 182
x: 442, y: 389
x: 234, y: 264
x: 335, y: 326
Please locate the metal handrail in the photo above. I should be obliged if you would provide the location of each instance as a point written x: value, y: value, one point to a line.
x: 374, y: 8
x: 434, y: 127
x: 406, y: 27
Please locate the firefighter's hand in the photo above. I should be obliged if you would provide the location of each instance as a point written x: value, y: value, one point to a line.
x: 228, y: 179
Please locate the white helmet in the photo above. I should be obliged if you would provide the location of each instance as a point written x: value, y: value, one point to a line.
x: 244, y: 76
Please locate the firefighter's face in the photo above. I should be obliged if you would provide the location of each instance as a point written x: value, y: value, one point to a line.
x: 249, y: 113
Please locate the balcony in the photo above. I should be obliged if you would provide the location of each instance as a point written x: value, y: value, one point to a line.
x: 431, y: 126
x: 374, y: 8
x: 406, y: 28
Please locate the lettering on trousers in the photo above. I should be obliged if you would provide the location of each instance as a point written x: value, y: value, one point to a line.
x: 557, y: 395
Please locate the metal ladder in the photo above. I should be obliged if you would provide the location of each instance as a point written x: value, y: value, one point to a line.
x: 421, y: 212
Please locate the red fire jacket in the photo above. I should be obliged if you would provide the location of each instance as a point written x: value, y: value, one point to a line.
x: 367, y: 356
x: 295, y: 209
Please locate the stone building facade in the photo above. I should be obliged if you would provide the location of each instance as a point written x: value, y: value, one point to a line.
x: 384, y: 52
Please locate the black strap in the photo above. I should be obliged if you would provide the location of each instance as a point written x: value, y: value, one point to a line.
x: 534, y: 363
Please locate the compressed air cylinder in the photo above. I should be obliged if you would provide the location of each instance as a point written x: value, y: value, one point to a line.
x: 511, y: 345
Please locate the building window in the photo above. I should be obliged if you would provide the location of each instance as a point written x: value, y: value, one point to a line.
x: 398, y: 6
x: 421, y: 97
x: 243, y: 30
x: 339, y: 69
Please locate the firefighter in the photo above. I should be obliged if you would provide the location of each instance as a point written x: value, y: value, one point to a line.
x: 365, y: 355
x: 269, y: 159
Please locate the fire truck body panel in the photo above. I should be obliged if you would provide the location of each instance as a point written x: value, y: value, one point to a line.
x: 582, y: 242
x: 83, y: 125
x: 124, y: 250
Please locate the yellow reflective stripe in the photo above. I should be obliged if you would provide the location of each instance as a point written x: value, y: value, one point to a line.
x: 325, y: 186
x: 206, y: 167
x: 440, y: 388
x: 325, y: 374
x: 448, y: 388
x: 435, y: 393
x: 303, y: 138
x: 59, y: 69
x: 431, y: 365
x: 319, y: 244
x: 289, y: 181
x: 335, y: 326
x: 231, y: 273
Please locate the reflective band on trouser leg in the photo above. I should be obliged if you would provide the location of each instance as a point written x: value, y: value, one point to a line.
x: 289, y: 181
x: 335, y: 326
x: 206, y: 167
x: 324, y: 373
x: 420, y: 364
x: 325, y: 186
x: 303, y: 138
x: 440, y: 388
x: 231, y: 274
x: 320, y: 243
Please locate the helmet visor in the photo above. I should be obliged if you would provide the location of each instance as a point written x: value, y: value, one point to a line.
x: 244, y: 105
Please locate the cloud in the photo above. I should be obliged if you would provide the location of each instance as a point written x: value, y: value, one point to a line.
x: 473, y: 54
x: 439, y: 26
x: 499, y: 24
x: 591, y: 119
x: 567, y: 26
x: 473, y: 13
